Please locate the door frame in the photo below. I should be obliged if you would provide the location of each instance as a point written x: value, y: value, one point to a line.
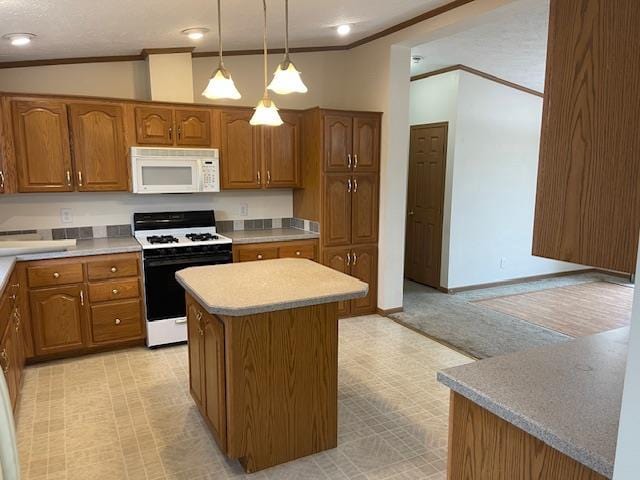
x: 444, y: 194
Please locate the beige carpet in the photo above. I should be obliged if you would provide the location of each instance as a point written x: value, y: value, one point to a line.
x: 576, y: 310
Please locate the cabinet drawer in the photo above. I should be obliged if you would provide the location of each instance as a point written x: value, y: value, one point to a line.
x: 55, y: 274
x: 116, y: 321
x: 306, y: 250
x: 114, y: 290
x: 114, y: 267
x: 249, y: 254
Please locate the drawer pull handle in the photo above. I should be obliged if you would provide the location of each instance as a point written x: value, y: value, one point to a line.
x: 114, y: 269
x: 56, y: 275
x: 298, y: 253
x: 118, y: 321
x: 5, y: 360
x: 115, y: 291
x: 259, y: 256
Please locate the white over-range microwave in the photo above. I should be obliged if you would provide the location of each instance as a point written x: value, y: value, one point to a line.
x: 175, y: 170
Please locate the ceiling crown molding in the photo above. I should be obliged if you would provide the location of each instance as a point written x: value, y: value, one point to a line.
x: 145, y: 52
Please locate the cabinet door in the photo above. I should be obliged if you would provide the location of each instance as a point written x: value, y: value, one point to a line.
x: 19, y: 349
x: 8, y: 363
x: 364, y: 266
x: 240, y: 151
x: 339, y: 258
x: 43, y: 156
x: 281, y: 151
x: 193, y: 128
x: 336, y: 226
x: 58, y: 319
x: 99, y: 150
x: 364, y: 210
x: 366, y: 143
x: 154, y: 126
x: 196, y: 353
x: 338, y: 137
x: 214, y: 379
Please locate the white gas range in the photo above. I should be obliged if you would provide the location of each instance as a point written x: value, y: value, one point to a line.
x: 170, y: 242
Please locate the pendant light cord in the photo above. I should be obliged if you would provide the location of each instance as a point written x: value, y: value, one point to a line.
x: 220, y: 35
x: 286, y: 28
x: 264, y: 41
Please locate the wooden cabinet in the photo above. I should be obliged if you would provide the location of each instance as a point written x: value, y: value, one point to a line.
x: 351, y: 142
x: 207, y: 368
x: 12, y: 350
x: 259, y: 157
x: 336, y: 222
x: 270, y: 250
x: 82, y: 304
x: 366, y: 142
x: 360, y: 262
x: 165, y: 126
x: 58, y: 319
x: 281, y: 152
x: 364, y: 209
x: 98, y: 146
x: 588, y: 201
x: 41, y: 139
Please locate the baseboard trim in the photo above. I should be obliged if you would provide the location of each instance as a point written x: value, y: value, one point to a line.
x: 532, y: 278
x: 390, y: 311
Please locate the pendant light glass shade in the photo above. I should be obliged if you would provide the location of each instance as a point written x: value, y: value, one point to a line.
x: 286, y: 78
x: 221, y: 84
x: 266, y: 112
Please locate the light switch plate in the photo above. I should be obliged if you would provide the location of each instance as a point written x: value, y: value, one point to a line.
x: 66, y: 216
x: 244, y: 209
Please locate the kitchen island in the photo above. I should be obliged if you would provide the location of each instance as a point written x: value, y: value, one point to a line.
x: 547, y: 413
x: 263, y: 355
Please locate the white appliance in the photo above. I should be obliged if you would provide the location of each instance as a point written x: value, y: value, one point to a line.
x: 170, y: 242
x: 175, y: 170
x: 9, y: 465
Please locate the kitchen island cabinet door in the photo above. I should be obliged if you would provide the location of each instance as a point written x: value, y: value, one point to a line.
x: 364, y: 210
x: 99, y: 149
x: 339, y: 258
x: 43, y: 156
x: 154, y: 126
x: 214, y: 379
x: 240, y: 151
x: 193, y: 128
x: 336, y: 226
x: 281, y: 151
x: 364, y: 266
x: 58, y: 318
x: 196, y: 354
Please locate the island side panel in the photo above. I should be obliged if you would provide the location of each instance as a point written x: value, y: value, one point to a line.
x: 482, y: 446
x: 282, y: 385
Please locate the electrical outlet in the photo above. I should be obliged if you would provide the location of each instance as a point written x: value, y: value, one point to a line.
x: 503, y: 262
x: 244, y: 209
x: 66, y: 216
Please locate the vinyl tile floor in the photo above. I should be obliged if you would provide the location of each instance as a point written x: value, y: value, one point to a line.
x: 129, y: 415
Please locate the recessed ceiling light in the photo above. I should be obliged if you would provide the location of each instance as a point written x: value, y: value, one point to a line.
x: 19, y: 39
x: 195, y: 33
x: 343, y: 29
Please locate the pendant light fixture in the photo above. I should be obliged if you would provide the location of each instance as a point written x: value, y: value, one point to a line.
x: 286, y: 78
x: 221, y: 84
x: 266, y: 112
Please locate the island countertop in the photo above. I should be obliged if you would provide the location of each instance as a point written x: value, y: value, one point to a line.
x: 569, y: 395
x: 247, y: 288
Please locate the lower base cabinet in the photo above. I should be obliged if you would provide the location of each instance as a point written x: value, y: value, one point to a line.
x: 12, y: 350
x: 360, y: 262
x: 270, y: 250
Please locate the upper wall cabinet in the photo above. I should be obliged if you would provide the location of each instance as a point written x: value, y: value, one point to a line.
x: 588, y: 200
x: 41, y: 139
x: 281, y: 152
x: 99, y: 150
x: 164, y: 126
x: 351, y: 142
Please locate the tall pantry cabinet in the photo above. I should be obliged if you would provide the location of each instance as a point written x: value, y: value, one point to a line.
x: 340, y: 189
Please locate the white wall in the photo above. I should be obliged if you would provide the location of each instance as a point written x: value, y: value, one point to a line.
x: 627, y: 463
x: 34, y: 211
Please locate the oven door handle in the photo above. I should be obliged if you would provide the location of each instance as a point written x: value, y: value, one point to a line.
x: 187, y: 261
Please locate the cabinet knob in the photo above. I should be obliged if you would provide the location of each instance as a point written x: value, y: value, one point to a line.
x: 114, y: 269
x: 118, y: 321
x: 115, y: 291
x: 56, y: 275
x: 298, y: 253
x: 259, y: 256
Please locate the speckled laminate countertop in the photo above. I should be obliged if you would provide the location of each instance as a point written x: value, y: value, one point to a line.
x: 6, y: 267
x: 237, y: 289
x: 241, y: 237
x: 566, y: 395
x: 96, y: 246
